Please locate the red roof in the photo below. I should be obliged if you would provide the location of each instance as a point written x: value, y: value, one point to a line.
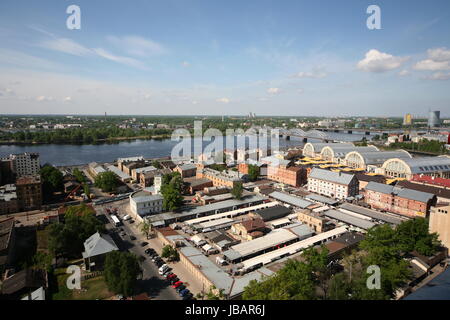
x: 431, y: 180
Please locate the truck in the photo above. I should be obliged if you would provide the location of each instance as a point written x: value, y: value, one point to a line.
x: 115, y: 220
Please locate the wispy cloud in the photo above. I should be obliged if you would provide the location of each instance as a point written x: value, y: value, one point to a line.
x: 119, y: 59
x: 138, y: 46
x: 67, y: 46
x: 316, y: 73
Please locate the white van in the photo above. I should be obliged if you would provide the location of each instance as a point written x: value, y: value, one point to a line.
x: 127, y: 217
x: 164, y: 268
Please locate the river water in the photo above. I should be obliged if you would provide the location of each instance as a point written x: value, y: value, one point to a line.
x: 71, y: 154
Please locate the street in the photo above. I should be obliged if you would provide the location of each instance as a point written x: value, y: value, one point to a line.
x: 152, y: 283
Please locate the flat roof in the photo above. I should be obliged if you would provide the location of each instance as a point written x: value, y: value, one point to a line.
x: 231, y: 213
x: 372, y: 213
x: 215, y: 223
x: 290, y: 199
x: 348, y: 219
x: 321, y: 199
x: 122, y: 175
x: 291, y: 249
x: 275, y: 237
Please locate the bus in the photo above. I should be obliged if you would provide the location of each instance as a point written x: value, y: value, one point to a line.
x: 115, y: 220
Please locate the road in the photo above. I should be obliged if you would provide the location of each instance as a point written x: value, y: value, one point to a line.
x: 151, y: 282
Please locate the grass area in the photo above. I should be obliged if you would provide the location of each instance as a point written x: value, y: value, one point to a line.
x: 42, y: 237
x: 91, y: 289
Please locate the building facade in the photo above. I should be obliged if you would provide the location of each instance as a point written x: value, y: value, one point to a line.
x: 333, y: 184
x: 407, y: 202
x: 143, y: 203
x: 440, y: 223
x: 24, y: 164
x: 29, y: 192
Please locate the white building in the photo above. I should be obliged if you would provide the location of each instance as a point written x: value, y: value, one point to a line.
x: 333, y: 184
x: 143, y: 203
x: 25, y: 164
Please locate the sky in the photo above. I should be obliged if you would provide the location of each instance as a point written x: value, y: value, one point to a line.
x: 211, y: 57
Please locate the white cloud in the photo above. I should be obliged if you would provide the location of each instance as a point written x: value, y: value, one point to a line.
x: 67, y: 46
x: 185, y: 64
x: 223, y: 100
x: 376, y: 61
x: 438, y: 76
x: 431, y: 65
x: 119, y: 59
x: 44, y: 98
x: 273, y: 90
x: 67, y: 99
x: 138, y: 46
x: 439, y: 54
x: 316, y: 73
x: 403, y: 73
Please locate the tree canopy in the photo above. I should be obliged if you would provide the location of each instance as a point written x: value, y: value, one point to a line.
x: 253, y: 172
x: 171, y: 190
x: 237, y: 190
x: 79, y: 224
x: 121, y: 272
x: 107, y: 181
x: 52, y: 180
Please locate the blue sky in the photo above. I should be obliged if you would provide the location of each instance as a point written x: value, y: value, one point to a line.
x: 225, y: 57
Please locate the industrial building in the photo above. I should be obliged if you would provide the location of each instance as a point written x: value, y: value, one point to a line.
x: 337, y: 153
x: 371, y: 160
x: 406, y: 168
x: 313, y: 149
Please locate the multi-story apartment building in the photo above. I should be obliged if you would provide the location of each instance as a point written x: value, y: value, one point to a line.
x: 29, y: 192
x: 24, y: 164
x: 333, y: 184
x: 293, y: 176
x: 227, y: 178
x: 440, y: 222
x: 143, y: 203
x: 408, y: 202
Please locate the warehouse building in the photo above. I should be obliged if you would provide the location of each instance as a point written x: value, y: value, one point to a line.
x: 313, y: 149
x: 371, y: 160
x: 338, y: 153
x: 333, y: 184
x: 407, y: 168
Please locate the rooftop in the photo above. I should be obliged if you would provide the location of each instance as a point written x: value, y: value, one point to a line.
x: 400, y: 191
x: 336, y: 177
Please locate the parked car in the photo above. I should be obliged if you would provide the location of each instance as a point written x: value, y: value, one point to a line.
x: 180, y: 288
x: 131, y: 221
x: 149, y: 250
x: 171, y: 276
x: 143, y: 244
x: 159, y: 263
x: 177, y: 284
x: 188, y: 296
x: 183, y: 292
x: 133, y: 238
x: 174, y: 280
x: 127, y: 217
x: 168, y: 275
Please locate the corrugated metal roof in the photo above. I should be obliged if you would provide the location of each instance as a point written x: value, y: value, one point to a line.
x: 336, y: 177
x: 399, y: 191
x: 348, y: 219
x: 290, y: 199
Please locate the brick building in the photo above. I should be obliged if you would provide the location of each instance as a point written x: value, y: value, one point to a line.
x: 293, y: 176
x: 407, y: 202
x: 29, y: 192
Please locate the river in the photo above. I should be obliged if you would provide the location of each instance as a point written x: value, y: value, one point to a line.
x: 72, y: 154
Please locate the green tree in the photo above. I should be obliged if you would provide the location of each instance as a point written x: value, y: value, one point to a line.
x: 121, y: 272
x: 79, y: 224
x: 237, y: 190
x: 156, y: 164
x: 253, y: 172
x: 43, y: 260
x: 171, y: 190
x: 52, y: 180
x: 170, y: 253
x: 146, y: 228
x: 414, y: 235
x: 107, y: 181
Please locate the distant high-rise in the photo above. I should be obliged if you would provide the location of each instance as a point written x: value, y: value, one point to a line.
x: 434, y: 119
x: 407, y: 120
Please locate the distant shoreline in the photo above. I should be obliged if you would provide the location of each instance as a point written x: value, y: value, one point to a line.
x: 99, y: 141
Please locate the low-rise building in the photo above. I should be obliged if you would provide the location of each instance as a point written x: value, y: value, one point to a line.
x: 408, y: 202
x: 8, y: 199
x: 95, y: 249
x: 143, y: 203
x: 186, y: 170
x: 294, y: 176
x: 136, y: 173
x: 249, y: 229
x: 147, y: 178
x: 333, y: 184
x: 228, y: 179
x: 314, y: 220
